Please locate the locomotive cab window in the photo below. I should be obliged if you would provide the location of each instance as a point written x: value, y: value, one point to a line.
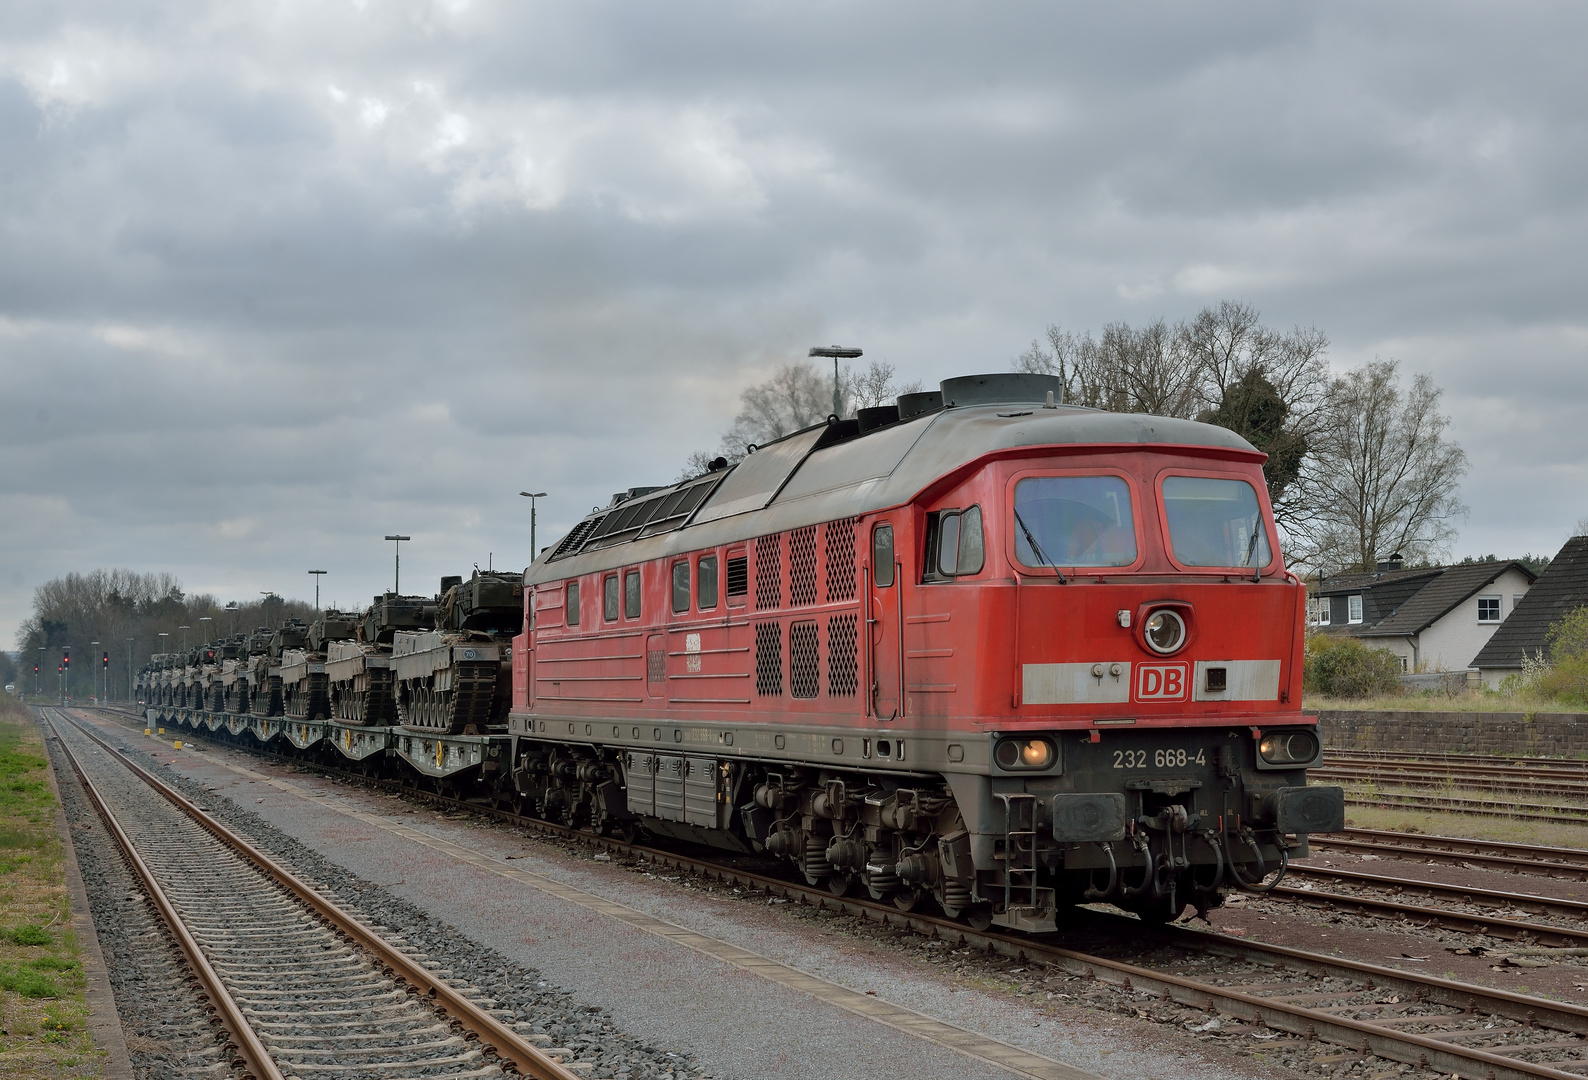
x: 631, y: 594
x: 1215, y: 522
x: 680, y: 587
x: 882, y: 556
x: 954, y: 544
x: 1074, y: 521
x: 609, y: 598
x: 706, y: 584
x: 571, y: 616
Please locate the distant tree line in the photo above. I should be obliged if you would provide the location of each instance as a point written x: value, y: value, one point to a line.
x: 127, y: 612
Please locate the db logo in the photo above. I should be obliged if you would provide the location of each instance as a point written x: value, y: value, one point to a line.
x: 1161, y: 682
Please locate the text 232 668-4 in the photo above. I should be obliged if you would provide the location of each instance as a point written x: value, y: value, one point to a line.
x: 1158, y: 759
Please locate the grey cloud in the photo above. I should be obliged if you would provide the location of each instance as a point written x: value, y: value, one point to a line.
x: 274, y: 282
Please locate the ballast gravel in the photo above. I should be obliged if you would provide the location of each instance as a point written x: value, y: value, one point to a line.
x: 163, y: 1009
x: 167, y: 1031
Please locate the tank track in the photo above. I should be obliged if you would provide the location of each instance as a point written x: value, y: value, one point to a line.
x: 369, y: 701
x: 470, y: 702
x: 310, y: 699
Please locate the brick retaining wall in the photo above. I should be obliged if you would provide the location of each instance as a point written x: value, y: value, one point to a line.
x: 1536, y: 734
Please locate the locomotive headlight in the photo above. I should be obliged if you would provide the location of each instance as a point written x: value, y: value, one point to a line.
x: 1288, y: 747
x: 1164, y: 631
x: 1023, y: 753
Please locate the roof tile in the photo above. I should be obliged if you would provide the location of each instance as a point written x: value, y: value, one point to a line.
x: 1560, y: 589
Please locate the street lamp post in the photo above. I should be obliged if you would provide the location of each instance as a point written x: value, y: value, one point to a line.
x: 38, y: 684
x: 95, y: 644
x: 397, y: 564
x: 837, y: 352
x: 162, y: 644
x: 206, y: 618
x: 129, y: 667
x: 318, y: 574
x: 232, y: 607
x: 534, y: 552
x: 269, y: 596
x: 184, y: 630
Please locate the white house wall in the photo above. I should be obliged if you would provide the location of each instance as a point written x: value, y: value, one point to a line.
x: 1452, y: 643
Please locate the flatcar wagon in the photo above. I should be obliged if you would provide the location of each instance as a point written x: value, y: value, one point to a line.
x: 980, y: 647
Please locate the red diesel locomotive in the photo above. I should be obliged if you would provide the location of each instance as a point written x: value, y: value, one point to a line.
x: 979, y: 647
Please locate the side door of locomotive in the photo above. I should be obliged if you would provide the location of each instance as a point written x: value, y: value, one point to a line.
x: 882, y: 624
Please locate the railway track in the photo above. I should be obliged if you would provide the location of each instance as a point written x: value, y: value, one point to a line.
x: 1518, y: 781
x: 1570, y: 864
x: 298, y: 984
x: 1565, y: 767
x: 1474, y: 807
x: 1457, y: 1028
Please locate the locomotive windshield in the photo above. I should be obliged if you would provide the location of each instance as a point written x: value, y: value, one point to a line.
x: 1214, y: 522
x: 1075, y: 520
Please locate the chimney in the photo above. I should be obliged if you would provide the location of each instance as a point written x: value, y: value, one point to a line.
x: 1392, y: 563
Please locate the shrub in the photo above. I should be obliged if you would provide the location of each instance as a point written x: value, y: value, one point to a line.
x: 1343, y: 667
x: 1566, y: 677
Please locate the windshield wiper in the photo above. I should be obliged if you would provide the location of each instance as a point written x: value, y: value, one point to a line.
x: 1037, y: 549
x: 1251, y: 546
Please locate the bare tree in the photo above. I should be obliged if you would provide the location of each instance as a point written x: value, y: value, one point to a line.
x: 875, y: 386
x: 1381, y: 476
x: 1125, y: 370
x: 797, y: 396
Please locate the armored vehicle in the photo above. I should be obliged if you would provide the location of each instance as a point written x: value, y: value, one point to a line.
x: 305, y: 686
x: 263, y: 673
x: 458, y: 677
x: 359, y: 673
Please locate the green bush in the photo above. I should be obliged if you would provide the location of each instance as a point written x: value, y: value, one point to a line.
x: 1343, y: 667
x: 1566, y: 677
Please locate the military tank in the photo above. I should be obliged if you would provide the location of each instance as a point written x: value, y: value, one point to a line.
x: 305, y: 685
x: 457, y: 677
x: 234, y: 676
x: 359, y: 672
x: 263, y: 674
x: 215, y: 678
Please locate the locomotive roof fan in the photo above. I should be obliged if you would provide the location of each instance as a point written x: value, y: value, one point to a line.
x: 1001, y: 388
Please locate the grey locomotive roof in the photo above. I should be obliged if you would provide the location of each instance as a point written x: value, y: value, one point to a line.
x: 807, y: 477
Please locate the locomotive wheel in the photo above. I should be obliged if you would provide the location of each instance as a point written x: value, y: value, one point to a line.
x: 906, y: 899
x: 841, y: 884
x: 978, y: 916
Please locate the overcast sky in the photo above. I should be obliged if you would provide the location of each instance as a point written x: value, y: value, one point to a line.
x: 280, y: 278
